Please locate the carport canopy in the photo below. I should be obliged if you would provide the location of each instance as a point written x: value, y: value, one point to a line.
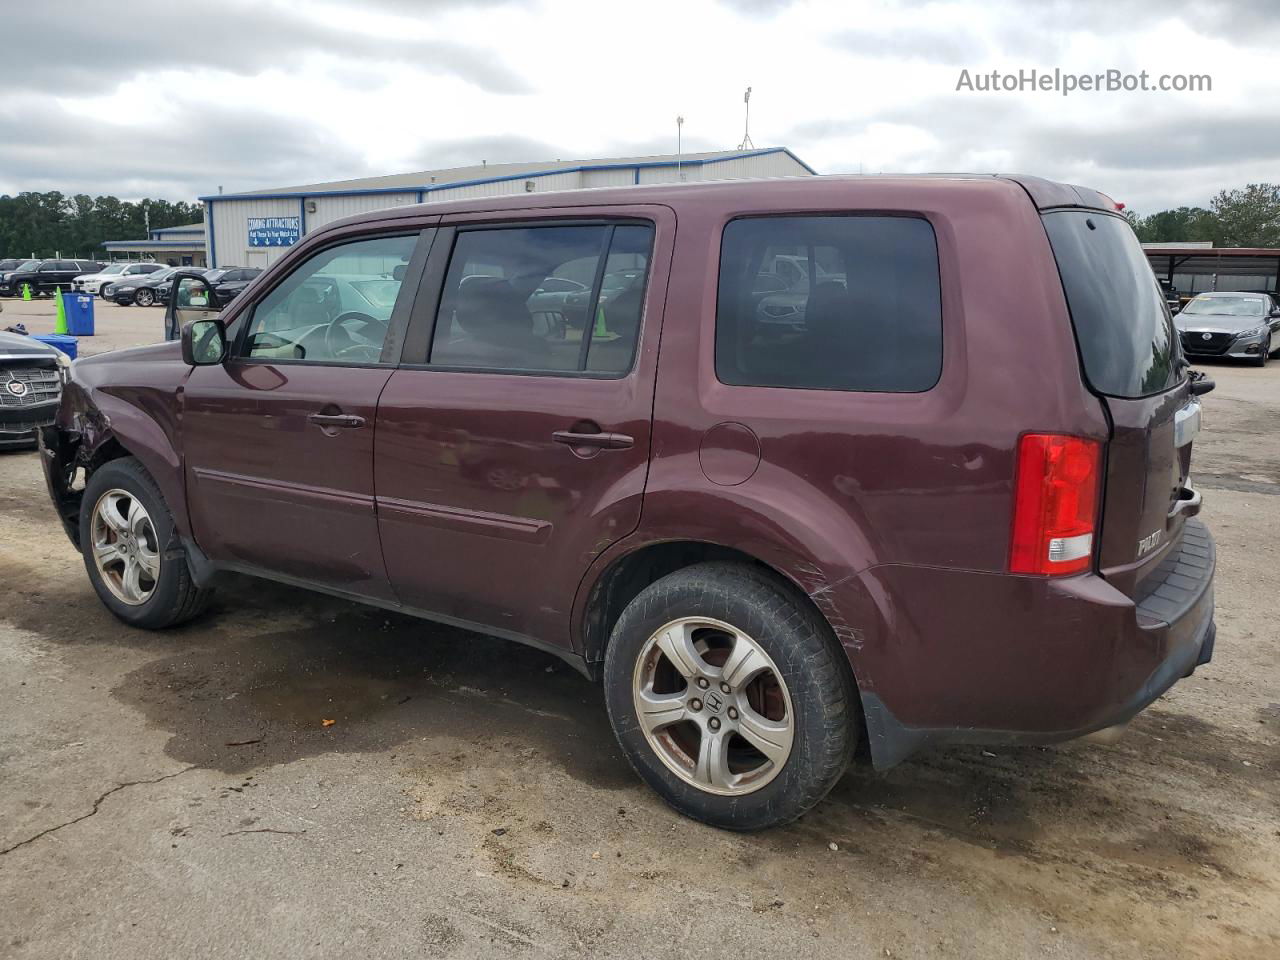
x: 1197, y: 268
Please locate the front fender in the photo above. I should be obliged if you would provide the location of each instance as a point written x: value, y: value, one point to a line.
x: 128, y: 403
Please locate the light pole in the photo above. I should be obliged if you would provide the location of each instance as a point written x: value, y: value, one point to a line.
x: 679, y: 147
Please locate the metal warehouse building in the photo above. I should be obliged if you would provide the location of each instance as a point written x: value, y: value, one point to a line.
x: 254, y: 229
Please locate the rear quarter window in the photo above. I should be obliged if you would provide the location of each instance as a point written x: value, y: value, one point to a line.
x: 1121, y: 319
x: 829, y: 303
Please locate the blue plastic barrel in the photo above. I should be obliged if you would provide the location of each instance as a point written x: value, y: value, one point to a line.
x: 60, y: 340
x: 79, y: 310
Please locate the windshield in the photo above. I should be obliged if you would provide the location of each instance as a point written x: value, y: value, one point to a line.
x: 29, y: 265
x: 1122, y: 323
x: 1227, y: 306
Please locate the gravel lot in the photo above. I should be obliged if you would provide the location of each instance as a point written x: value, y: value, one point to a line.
x: 177, y: 794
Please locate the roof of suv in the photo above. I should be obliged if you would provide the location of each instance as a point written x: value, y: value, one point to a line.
x: 1045, y: 194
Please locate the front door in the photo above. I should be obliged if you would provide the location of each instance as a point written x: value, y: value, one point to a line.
x: 279, y: 439
x: 513, y: 444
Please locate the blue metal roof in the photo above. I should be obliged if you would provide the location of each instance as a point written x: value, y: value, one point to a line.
x: 196, y: 241
x: 434, y: 187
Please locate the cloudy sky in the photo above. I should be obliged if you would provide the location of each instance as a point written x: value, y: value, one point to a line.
x: 174, y: 100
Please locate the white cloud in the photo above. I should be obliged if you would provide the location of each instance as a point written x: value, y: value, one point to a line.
x: 250, y: 94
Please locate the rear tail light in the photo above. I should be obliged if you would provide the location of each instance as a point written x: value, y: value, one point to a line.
x: 1055, y: 504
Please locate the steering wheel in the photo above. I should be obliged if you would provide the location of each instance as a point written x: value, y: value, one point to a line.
x: 363, y: 352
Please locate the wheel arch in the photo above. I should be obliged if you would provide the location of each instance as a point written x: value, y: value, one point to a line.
x: 95, y: 428
x: 607, y: 590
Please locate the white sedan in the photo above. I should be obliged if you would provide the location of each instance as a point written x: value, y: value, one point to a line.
x: 93, y: 282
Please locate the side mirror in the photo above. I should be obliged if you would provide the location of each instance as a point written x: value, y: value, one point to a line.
x: 204, y: 342
x: 1275, y: 311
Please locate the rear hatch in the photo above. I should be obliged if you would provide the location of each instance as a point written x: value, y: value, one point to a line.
x: 1132, y: 360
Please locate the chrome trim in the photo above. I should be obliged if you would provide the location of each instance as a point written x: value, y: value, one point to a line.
x: 1186, y: 424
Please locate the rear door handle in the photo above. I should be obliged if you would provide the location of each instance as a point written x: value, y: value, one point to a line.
x: 605, y: 441
x: 335, y: 420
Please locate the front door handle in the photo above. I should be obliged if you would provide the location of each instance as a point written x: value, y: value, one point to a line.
x: 330, y: 420
x: 604, y: 441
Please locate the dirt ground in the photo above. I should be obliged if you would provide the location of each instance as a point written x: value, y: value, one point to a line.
x: 177, y: 794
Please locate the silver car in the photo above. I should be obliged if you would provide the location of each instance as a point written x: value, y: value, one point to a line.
x: 1244, y: 326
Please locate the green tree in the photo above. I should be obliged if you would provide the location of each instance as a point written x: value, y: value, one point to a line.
x: 1170, y: 226
x: 46, y: 224
x: 1249, y: 216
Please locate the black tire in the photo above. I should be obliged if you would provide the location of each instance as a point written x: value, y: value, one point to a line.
x: 1264, y: 354
x: 144, y: 297
x: 175, y: 598
x: 809, y: 661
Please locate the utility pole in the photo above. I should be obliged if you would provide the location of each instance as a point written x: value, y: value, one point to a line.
x: 679, y: 147
x: 746, y: 143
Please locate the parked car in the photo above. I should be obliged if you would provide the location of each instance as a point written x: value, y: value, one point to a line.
x: 46, y: 276
x: 228, y: 283
x: 1243, y: 326
x: 954, y: 508
x: 31, y: 377
x: 16, y: 266
x: 212, y: 273
x: 139, y: 289
x: 113, y: 272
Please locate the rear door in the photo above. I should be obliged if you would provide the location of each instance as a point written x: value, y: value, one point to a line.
x: 513, y: 442
x: 1131, y: 358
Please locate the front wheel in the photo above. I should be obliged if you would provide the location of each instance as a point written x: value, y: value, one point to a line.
x: 730, y: 697
x: 127, y: 539
x: 1264, y: 354
x: 144, y: 297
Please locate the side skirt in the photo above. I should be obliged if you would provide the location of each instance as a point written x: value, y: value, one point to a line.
x: 204, y: 571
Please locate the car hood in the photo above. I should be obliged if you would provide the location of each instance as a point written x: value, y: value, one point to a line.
x: 1216, y: 323
x: 16, y: 343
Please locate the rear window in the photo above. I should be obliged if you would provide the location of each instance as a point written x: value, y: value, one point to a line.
x: 1121, y: 319
x: 829, y: 303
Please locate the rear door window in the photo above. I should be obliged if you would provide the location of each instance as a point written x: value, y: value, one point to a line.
x: 829, y: 303
x: 1122, y: 322
x: 544, y: 299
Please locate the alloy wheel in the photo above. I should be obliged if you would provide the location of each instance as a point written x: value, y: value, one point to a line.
x: 125, y: 547
x: 713, y: 706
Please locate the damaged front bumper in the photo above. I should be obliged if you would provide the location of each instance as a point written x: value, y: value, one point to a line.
x: 59, y: 453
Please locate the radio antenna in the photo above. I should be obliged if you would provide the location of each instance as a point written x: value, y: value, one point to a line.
x: 746, y: 143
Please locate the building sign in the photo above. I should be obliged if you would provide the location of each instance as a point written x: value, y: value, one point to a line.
x: 274, y: 231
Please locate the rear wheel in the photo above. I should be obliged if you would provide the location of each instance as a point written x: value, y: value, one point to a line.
x: 127, y: 537
x: 730, y: 697
x: 144, y: 297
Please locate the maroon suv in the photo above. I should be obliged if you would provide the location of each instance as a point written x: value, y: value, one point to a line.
x: 785, y: 464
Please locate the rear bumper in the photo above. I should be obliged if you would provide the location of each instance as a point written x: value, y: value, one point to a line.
x: 1018, y: 661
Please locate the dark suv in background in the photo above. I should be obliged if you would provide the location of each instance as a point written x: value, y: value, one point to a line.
x: 46, y: 276
x: 949, y: 503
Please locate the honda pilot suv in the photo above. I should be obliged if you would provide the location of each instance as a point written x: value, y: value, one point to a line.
x: 951, y: 505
